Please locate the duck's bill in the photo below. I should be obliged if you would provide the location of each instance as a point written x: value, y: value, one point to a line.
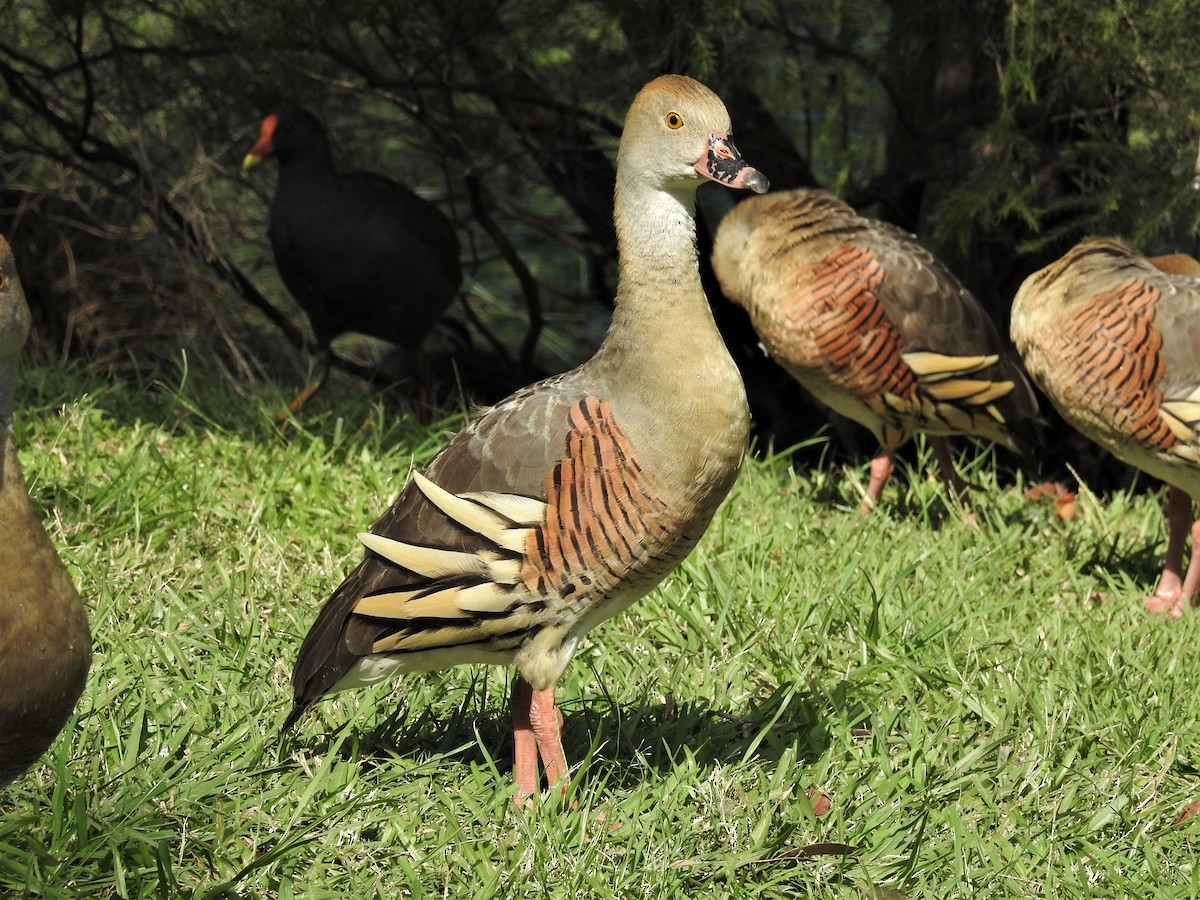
x: 723, y: 164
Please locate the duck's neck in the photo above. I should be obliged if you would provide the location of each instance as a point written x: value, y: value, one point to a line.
x: 8, y: 380
x: 14, y: 500
x: 661, y: 314
x: 13, y: 497
x: 663, y: 363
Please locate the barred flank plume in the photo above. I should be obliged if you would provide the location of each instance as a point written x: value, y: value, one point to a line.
x: 869, y: 321
x: 508, y: 565
x: 1111, y: 338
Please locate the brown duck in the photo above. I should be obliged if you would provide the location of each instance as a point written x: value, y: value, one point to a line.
x: 872, y: 324
x: 45, y: 645
x: 563, y: 504
x: 1113, y: 339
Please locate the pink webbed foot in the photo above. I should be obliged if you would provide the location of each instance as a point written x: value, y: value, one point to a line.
x: 1174, y: 591
x: 1167, y: 599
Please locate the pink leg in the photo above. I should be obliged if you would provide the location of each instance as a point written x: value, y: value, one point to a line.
x: 881, y: 470
x: 1191, y: 582
x: 1169, y: 598
x: 537, y: 731
x: 547, y: 722
x: 525, y: 766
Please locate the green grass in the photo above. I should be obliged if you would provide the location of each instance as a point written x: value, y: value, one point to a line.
x: 989, y: 710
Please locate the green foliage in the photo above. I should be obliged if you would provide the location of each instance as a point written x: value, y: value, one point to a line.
x: 988, y: 709
x: 1001, y: 131
x: 1095, y: 132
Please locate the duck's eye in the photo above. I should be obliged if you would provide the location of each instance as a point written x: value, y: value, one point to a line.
x: 674, y: 120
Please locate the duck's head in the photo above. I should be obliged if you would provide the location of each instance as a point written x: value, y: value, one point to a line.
x: 677, y: 132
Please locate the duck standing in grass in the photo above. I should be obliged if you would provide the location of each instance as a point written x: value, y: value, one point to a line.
x: 564, y: 503
x: 1113, y: 339
x: 45, y: 643
x: 871, y: 324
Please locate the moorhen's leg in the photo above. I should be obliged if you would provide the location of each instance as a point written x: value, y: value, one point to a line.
x: 322, y: 353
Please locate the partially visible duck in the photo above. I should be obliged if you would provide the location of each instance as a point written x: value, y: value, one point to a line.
x: 358, y: 251
x: 45, y: 643
x: 872, y: 324
x: 564, y: 503
x: 1113, y: 339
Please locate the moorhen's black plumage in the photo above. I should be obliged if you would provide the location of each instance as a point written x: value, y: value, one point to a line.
x: 358, y: 251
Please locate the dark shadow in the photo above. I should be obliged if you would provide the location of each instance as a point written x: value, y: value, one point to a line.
x: 603, y: 736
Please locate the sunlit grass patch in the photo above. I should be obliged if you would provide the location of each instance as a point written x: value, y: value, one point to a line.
x: 987, y: 710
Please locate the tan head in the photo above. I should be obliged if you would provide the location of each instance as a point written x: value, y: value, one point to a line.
x: 676, y: 132
x: 1177, y: 264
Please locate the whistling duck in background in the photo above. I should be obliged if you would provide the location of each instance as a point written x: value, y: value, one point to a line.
x: 1113, y: 339
x: 872, y: 324
x: 358, y: 251
x: 564, y: 503
x: 45, y: 644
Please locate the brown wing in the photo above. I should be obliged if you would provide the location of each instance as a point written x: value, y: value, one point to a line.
x: 939, y: 321
x: 794, y: 261
x: 508, y: 449
x: 531, y: 517
x: 862, y: 306
x: 928, y: 304
x: 1178, y: 321
x: 1116, y: 342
